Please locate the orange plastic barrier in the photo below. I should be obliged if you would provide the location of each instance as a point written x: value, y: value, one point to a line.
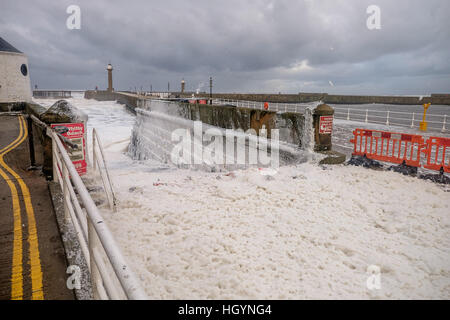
x: 388, y: 146
x: 437, y: 155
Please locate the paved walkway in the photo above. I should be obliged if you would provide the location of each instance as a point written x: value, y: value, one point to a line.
x: 32, y: 260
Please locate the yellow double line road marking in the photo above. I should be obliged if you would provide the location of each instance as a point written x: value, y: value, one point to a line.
x: 16, y: 277
x: 34, y: 257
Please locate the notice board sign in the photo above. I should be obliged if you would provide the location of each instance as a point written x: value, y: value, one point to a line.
x: 75, y: 133
x: 326, y: 124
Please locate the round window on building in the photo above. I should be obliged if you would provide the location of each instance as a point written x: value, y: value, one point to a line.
x: 24, y: 70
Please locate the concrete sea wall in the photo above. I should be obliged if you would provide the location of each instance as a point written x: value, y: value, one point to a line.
x: 438, y: 99
x: 130, y: 100
x: 200, y: 139
x: 291, y: 126
x: 297, y: 132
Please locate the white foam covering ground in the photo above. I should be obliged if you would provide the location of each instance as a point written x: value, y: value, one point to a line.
x: 308, y: 233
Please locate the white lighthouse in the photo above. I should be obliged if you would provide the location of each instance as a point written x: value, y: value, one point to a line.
x: 110, y: 80
x: 183, y: 83
x: 14, y: 75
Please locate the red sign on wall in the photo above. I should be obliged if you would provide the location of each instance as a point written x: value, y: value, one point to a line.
x: 75, y: 133
x: 326, y: 125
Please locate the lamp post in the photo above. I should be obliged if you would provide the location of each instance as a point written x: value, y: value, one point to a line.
x: 210, y: 89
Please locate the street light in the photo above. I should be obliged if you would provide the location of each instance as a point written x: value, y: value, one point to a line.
x: 210, y: 89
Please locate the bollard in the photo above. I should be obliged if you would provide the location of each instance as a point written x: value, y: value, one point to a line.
x: 424, y: 125
x: 31, y: 144
x: 323, y: 127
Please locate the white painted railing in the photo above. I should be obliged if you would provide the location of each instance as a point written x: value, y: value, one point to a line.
x: 52, y: 94
x: 111, y: 276
x: 99, y: 163
x: 437, y: 122
x: 387, y: 117
x: 271, y: 106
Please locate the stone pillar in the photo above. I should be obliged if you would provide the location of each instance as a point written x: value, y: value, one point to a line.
x: 323, y: 127
x: 60, y: 112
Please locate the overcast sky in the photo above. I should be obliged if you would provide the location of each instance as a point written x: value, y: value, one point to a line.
x: 246, y: 46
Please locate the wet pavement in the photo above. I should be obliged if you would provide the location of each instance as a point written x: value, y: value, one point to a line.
x: 32, y: 259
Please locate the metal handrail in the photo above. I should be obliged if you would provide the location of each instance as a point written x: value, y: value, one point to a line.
x: 92, y: 232
x: 384, y: 111
x: 409, y: 122
x: 299, y: 108
x: 104, y: 174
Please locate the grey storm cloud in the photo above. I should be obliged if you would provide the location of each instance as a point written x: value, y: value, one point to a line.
x: 256, y: 45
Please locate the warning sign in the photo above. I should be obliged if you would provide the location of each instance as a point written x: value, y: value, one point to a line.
x: 326, y: 125
x: 75, y: 133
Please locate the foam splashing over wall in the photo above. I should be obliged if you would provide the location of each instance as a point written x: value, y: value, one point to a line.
x: 152, y: 136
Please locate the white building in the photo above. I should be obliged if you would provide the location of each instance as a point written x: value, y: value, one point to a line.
x: 14, y: 75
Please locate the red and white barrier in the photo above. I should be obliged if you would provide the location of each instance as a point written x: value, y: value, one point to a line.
x: 388, y: 146
x: 438, y: 154
x: 402, y: 148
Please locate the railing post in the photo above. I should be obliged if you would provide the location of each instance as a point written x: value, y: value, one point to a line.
x: 66, y: 194
x: 96, y: 279
x: 55, y: 162
x: 387, y: 119
x: 367, y: 116
x: 443, y: 126
x: 31, y: 143
x: 348, y: 113
x: 412, y: 121
x: 87, y: 142
x: 94, y: 157
x: 93, y: 267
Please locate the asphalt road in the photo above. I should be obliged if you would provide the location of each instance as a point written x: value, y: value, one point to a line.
x: 32, y: 260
